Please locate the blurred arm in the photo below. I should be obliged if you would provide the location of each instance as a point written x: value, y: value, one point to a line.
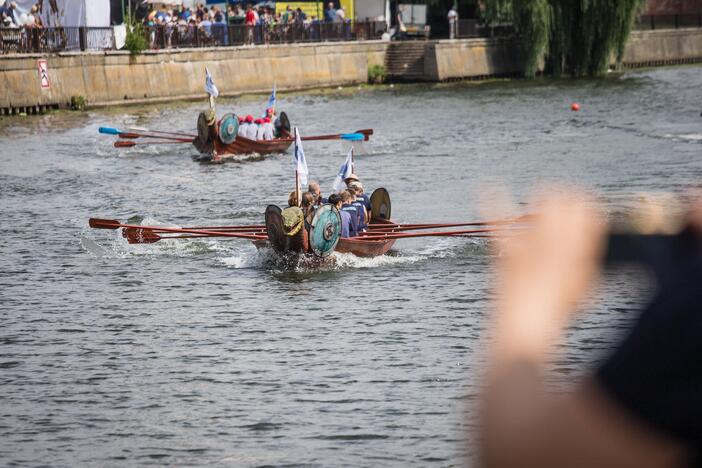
x: 542, y: 275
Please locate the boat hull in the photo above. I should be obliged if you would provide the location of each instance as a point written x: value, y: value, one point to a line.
x: 364, y: 248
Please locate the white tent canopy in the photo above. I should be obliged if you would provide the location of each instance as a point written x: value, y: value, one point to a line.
x: 72, y: 13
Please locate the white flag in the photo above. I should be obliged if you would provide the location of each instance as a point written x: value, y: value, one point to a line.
x: 210, y: 87
x: 345, y: 171
x: 299, y: 159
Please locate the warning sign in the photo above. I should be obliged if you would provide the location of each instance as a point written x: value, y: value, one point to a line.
x: 44, y: 74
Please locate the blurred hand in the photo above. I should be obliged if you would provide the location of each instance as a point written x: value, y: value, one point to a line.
x: 544, y: 271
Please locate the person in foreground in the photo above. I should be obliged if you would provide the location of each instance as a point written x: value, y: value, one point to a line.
x: 641, y: 408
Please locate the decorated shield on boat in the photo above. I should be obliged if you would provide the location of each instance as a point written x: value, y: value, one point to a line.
x: 325, y: 231
x: 204, y: 121
x: 228, y: 128
x: 380, y: 204
x: 274, y: 228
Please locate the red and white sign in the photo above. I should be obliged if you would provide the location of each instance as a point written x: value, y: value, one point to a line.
x: 44, y: 74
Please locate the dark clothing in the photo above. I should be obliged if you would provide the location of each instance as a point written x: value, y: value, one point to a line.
x: 329, y: 15
x: 345, y: 224
x: 353, y: 224
x: 361, y: 214
x: 656, y: 372
x: 366, y: 201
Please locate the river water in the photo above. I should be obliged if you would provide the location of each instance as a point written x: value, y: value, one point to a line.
x: 210, y: 352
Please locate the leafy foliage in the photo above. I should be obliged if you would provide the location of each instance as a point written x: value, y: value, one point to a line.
x: 574, y: 37
x: 376, y: 74
x: 135, y: 41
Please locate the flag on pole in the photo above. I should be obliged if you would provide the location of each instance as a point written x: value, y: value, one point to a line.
x: 345, y: 171
x: 271, y: 101
x: 299, y: 160
x: 210, y: 87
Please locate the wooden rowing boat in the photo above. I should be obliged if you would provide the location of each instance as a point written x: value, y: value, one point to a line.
x: 218, y: 140
x: 228, y: 152
x: 364, y: 248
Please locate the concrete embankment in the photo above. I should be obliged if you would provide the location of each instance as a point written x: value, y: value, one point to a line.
x: 115, y: 77
x: 110, y: 78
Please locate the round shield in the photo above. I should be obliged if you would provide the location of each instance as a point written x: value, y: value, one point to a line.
x: 380, y: 204
x: 325, y: 231
x: 228, y: 128
x: 274, y: 228
x: 284, y: 122
x: 204, y: 120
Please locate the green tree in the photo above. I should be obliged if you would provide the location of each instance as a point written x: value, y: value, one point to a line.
x: 573, y: 37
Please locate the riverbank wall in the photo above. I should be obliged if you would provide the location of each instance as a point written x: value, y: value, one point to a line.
x: 33, y: 82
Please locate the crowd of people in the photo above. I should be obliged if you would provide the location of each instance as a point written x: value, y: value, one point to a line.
x: 11, y: 17
x: 352, y: 203
x: 255, y: 24
x: 258, y: 129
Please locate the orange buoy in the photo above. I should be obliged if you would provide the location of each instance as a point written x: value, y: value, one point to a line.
x: 575, y: 107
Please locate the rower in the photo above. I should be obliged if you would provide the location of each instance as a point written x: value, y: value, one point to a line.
x: 308, y: 208
x: 335, y: 201
x: 360, y: 208
x: 353, y: 181
x: 346, y: 206
x: 259, y: 129
x: 243, y: 127
x: 317, y: 192
x: 251, y: 128
x: 292, y: 199
x: 268, y: 129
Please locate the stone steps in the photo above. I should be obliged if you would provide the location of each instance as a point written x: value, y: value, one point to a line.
x: 404, y: 61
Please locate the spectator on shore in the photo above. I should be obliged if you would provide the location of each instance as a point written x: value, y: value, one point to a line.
x: 330, y: 13
x: 340, y: 15
x: 452, y: 17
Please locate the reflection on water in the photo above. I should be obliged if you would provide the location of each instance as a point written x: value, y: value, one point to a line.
x: 210, y: 351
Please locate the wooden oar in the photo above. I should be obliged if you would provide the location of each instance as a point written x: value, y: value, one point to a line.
x: 408, y: 235
x: 97, y: 223
x: 356, y: 136
x: 400, y: 226
x: 130, y: 143
x: 134, y: 135
x: 176, y: 134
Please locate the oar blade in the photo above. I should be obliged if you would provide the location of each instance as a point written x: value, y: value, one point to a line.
x: 140, y: 236
x: 129, y: 135
x: 366, y: 133
x: 98, y: 223
x: 124, y: 144
x: 109, y: 131
x: 352, y: 136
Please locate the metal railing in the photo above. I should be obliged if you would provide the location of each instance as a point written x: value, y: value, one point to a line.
x: 653, y: 22
x: 175, y: 36
x: 165, y: 37
x: 55, y: 39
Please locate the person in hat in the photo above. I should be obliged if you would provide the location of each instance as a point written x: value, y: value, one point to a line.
x: 354, y: 182
x: 259, y: 129
x: 268, y: 129
x: 243, y: 127
x: 251, y: 128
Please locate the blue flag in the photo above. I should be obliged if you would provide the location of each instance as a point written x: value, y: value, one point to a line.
x: 299, y: 160
x: 345, y: 170
x: 271, y: 102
